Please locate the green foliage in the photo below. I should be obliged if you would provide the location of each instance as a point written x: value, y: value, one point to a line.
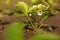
x: 44, y: 36
x: 17, y: 15
x: 35, y: 1
x: 14, y: 31
x: 46, y: 2
x: 23, y: 7
x: 33, y: 9
x: 51, y: 2
x: 41, y: 7
x: 7, y: 2
x: 42, y: 10
x: 47, y: 14
x: 7, y: 11
x: 58, y: 9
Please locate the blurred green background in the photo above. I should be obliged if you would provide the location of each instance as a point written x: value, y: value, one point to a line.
x: 12, y: 2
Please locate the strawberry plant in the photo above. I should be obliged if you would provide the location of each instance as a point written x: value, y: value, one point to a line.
x: 33, y: 12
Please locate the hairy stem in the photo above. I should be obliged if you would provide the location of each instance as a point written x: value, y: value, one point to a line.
x: 36, y: 24
x: 31, y: 22
x: 42, y: 22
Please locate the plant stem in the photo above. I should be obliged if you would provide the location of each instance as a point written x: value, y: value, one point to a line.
x: 31, y: 22
x: 40, y: 25
x: 43, y: 21
x: 36, y: 24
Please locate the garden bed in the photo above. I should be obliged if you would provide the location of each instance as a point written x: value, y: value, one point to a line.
x: 34, y: 19
x: 6, y: 19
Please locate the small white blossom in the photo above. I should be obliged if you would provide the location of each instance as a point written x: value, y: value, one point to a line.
x: 34, y: 6
x: 40, y: 5
x: 39, y: 13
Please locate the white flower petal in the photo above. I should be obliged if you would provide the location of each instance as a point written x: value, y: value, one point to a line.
x: 39, y: 13
x: 34, y: 6
x: 41, y: 5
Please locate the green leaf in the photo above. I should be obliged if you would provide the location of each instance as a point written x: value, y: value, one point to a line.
x: 51, y: 2
x: 17, y: 15
x: 33, y: 9
x: 23, y: 7
x: 14, y: 31
x: 44, y: 1
x: 58, y: 9
x: 41, y: 7
x: 47, y: 13
x: 35, y: 1
x: 48, y: 2
x: 8, y: 11
x: 45, y: 36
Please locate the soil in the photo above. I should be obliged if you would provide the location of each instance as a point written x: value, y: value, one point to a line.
x: 6, y: 19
